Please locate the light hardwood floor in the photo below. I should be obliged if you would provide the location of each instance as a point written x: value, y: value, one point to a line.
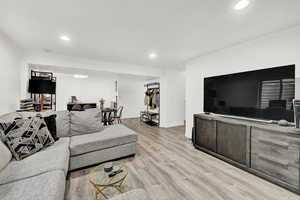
x: 169, y: 168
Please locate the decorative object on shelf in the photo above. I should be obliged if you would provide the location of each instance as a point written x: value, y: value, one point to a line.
x: 113, y: 105
x: 283, y: 122
x: 296, y: 113
x: 42, y: 89
x: 108, y: 167
x: 117, y: 94
x: 152, y: 102
x: 73, y: 99
x: 102, y: 101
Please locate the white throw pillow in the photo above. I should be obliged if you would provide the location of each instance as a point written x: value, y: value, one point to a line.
x: 5, y: 155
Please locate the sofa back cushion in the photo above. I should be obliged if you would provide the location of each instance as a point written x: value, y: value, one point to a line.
x: 9, y: 117
x: 62, y: 119
x: 63, y: 123
x: 5, y: 155
x: 85, y: 122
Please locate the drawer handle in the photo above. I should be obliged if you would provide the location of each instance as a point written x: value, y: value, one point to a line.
x: 270, y: 159
x: 277, y: 143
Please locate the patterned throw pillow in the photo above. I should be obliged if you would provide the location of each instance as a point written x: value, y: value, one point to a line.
x: 25, y: 137
x: 4, y: 126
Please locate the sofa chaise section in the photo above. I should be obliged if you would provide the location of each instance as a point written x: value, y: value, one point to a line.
x: 113, y: 142
x: 110, y: 137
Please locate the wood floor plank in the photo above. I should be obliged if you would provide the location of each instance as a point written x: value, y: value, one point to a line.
x: 169, y: 168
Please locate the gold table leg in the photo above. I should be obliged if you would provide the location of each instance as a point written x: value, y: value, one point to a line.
x: 99, y: 189
x: 119, y: 186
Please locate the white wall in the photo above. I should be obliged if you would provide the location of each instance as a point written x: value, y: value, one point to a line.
x: 10, y: 65
x: 172, y: 98
x: 277, y: 49
x: 131, y: 96
x: 92, y: 89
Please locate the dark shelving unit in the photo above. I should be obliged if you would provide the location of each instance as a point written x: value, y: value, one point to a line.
x: 151, y: 117
x: 49, y: 100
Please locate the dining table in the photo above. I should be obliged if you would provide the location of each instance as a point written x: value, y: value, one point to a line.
x: 108, y: 115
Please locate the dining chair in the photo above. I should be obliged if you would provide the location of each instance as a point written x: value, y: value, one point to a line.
x: 85, y: 107
x: 76, y: 107
x: 119, y: 115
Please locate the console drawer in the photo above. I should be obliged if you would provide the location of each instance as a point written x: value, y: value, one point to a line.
x: 275, y: 154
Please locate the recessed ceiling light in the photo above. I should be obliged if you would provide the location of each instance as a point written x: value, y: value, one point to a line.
x: 65, y: 38
x: 242, y: 4
x: 80, y: 76
x: 152, y: 55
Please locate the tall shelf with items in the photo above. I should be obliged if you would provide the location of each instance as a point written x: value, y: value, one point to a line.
x: 151, y: 115
x: 44, y: 96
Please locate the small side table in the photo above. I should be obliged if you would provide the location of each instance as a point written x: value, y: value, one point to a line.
x: 100, y: 179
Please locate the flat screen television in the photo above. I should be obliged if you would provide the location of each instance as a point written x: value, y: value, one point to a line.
x: 262, y: 94
x: 41, y: 86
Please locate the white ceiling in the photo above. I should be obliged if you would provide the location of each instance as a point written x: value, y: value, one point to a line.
x: 127, y: 30
x: 90, y: 73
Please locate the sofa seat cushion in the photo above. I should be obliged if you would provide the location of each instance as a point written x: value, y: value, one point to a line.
x: 110, y: 137
x: 137, y: 194
x: 47, y: 186
x: 55, y: 157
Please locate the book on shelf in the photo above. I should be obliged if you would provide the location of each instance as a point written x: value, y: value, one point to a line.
x: 26, y: 105
x: 26, y: 100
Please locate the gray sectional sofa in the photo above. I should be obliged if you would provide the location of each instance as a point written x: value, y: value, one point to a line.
x: 42, y: 176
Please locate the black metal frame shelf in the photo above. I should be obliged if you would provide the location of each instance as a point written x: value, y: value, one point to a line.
x: 37, y: 97
x: 150, y: 117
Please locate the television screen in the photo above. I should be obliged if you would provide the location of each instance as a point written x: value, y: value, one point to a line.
x: 262, y: 94
x: 40, y: 86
